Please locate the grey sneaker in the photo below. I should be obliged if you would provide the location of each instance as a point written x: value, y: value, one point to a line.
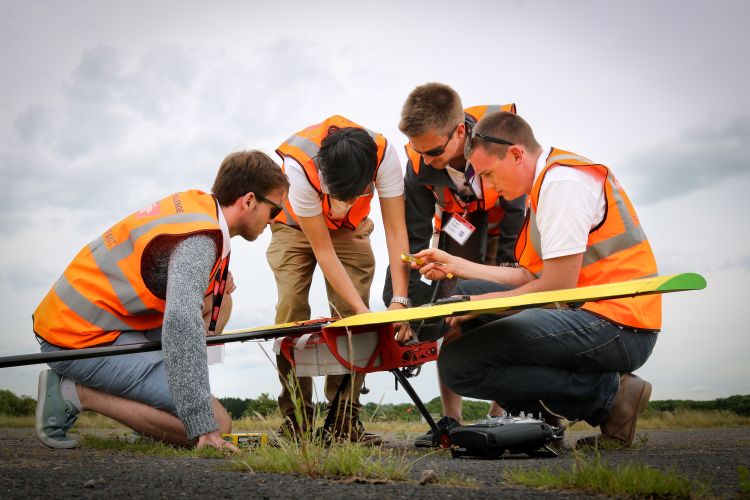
x: 54, y: 415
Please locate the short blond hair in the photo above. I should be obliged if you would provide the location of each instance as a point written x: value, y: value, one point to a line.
x: 431, y: 107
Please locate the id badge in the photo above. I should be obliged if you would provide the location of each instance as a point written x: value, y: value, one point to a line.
x: 459, y: 229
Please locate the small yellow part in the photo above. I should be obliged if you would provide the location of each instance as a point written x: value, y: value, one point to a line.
x: 407, y: 257
x: 247, y: 439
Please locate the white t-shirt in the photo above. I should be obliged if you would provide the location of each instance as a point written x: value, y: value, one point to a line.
x: 226, y: 247
x: 305, y: 201
x: 571, y: 203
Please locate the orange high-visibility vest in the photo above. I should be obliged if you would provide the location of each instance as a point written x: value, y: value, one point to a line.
x: 303, y: 147
x: 617, y: 249
x: 446, y: 198
x: 102, y: 292
x: 495, y: 216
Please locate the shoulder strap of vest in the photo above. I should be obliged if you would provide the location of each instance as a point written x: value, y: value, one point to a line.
x: 477, y: 112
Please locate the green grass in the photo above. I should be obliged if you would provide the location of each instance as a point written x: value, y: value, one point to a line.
x: 595, y: 476
x: 679, y: 419
x: 339, y: 460
x: 309, y: 458
x: 271, y: 423
x: 682, y: 419
x: 690, y: 419
x: 87, y: 419
x: 358, y: 463
x: 147, y: 447
x: 378, y: 464
x: 744, y: 482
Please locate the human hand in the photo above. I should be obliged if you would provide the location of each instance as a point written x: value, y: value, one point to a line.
x: 451, y: 335
x: 436, y: 264
x: 214, y: 440
x: 455, y: 321
x: 403, y: 332
x: 230, y: 286
x: 403, y: 329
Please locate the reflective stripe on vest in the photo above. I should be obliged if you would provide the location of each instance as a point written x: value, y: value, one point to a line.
x: 86, y: 309
x: 102, y: 292
x: 616, y: 250
x: 303, y: 147
x: 632, y: 236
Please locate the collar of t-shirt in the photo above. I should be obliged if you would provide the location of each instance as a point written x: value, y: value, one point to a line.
x: 461, y: 187
x: 227, y: 240
x: 541, y: 162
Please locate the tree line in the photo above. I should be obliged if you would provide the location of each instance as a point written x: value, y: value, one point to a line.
x: 265, y: 405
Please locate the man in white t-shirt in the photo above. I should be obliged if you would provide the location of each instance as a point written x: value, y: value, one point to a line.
x: 334, y: 169
x: 581, y: 230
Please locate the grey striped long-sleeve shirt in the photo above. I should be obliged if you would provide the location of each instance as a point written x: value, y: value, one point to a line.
x: 180, y: 267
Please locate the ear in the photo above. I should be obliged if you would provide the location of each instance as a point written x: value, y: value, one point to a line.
x: 461, y: 130
x: 247, y: 200
x: 517, y: 152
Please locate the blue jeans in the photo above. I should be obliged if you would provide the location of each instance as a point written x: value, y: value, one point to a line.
x: 139, y: 376
x: 569, y: 359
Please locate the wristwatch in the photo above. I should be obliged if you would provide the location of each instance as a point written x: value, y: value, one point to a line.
x: 405, y: 301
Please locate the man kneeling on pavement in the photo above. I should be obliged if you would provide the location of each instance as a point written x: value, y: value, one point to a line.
x: 581, y: 229
x: 161, y: 273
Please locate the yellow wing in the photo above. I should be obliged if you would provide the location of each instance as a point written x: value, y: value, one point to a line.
x: 659, y: 284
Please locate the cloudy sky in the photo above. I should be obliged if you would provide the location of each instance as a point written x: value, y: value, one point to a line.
x: 106, y: 107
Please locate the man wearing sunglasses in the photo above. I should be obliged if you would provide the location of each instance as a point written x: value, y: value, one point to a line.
x: 334, y: 168
x: 161, y: 273
x: 440, y: 186
x: 581, y: 230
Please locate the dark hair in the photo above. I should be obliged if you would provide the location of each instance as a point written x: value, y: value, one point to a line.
x: 432, y: 107
x: 347, y: 159
x: 243, y: 172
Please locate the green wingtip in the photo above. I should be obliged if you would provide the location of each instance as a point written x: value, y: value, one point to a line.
x: 684, y: 281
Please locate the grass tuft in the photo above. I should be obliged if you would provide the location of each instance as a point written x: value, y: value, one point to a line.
x: 148, y: 447
x: 309, y: 457
x: 336, y: 461
x: 744, y: 481
x: 632, y: 480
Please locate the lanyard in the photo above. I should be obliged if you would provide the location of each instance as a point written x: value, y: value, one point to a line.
x: 463, y: 201
x: 220, y: 282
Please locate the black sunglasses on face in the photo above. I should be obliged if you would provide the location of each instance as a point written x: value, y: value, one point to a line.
x: 471, y: 141
x: 435, y: 152
x: 275, y: 207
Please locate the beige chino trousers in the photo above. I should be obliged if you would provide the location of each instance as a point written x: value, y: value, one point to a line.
x: 293, y: 262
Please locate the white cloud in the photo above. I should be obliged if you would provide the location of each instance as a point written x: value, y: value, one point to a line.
x: 700, y: 158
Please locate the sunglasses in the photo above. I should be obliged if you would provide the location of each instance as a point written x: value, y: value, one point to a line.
x: 435, y: 152
x: 471, y: 141
x: 275, y: 207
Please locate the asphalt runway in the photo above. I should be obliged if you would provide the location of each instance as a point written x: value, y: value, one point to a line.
x: 30, y: 470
